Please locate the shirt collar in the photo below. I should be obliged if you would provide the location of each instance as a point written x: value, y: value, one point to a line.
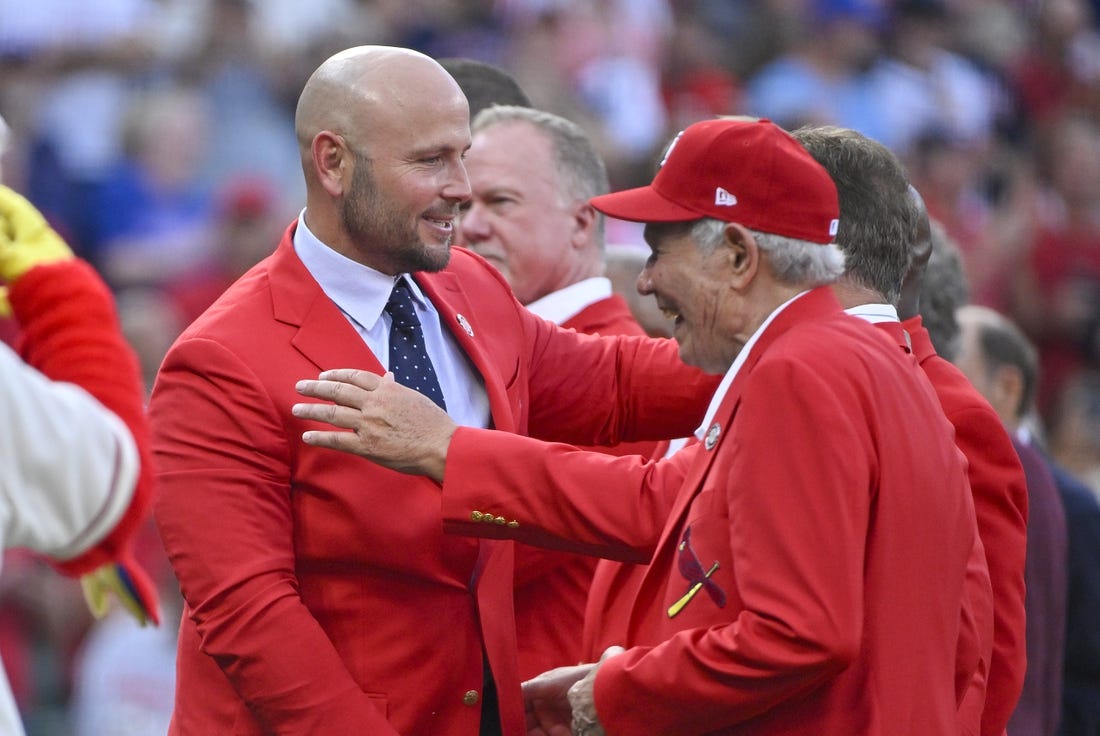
x: 559, y: 306
x: 875, y: 313
x: 731, y: 374
x: 359, y: 291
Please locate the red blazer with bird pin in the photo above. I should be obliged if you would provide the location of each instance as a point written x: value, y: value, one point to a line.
x: 809, y: 573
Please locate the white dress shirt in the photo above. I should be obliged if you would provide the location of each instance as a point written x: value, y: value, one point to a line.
x: 361, y: 293
x: 564, y: 304
x: 731, y: 374
x: 875, y: 313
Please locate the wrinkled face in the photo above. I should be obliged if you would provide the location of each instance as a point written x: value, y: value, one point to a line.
x: 692, y: 289
x: 518, y: 218
x: 408, y: 182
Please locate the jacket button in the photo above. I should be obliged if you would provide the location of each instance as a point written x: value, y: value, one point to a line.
x: 471, y: 697
x: 476, y: 515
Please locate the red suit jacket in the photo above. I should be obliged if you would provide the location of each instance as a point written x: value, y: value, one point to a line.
x: 809, y: 573
x: 552, y: 588
x: 999, y: 487
x: 321, y: 595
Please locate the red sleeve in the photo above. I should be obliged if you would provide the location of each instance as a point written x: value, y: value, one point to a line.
x: 999, y: 487
x: 71, y: 333
x: 634, y: 388
x: 1000, y: 503
x: 559, y: 497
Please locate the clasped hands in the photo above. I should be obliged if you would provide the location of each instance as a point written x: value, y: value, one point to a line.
x: 561, y: 702
x: 390, y: 424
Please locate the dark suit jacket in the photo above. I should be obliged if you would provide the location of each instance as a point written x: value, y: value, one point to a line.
x: 1081, y: 685
x: 1040, y: 707
x: 321, y: 595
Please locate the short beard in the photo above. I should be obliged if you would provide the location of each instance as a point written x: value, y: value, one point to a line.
x: 372, y: 226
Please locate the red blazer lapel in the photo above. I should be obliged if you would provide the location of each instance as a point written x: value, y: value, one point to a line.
x: 645, y: 622
x: 324, y: 336
x: 457, y: 314
x: 818, y: 302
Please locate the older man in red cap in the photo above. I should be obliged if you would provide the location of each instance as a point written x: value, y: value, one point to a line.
x: 808, y: 549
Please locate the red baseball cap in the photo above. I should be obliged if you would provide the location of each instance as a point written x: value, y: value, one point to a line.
x: 747, y: 171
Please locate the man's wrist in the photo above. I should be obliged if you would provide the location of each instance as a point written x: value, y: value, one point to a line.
x: 436, y: 464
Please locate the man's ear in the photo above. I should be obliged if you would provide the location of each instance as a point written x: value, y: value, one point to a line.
x: 585, y: 220
x: 332, y: 162
x: 740, y: 253
x: 1007, y: 388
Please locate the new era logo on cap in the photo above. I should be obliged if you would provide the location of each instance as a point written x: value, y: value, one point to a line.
x: 780, y: 188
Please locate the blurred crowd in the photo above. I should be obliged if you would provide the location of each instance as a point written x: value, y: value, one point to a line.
x: 157, y: 136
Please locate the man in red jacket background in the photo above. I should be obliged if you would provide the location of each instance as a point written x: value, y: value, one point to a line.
x: 529, y: 216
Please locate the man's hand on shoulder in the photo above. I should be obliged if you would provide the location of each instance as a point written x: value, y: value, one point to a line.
x: 390, y: 424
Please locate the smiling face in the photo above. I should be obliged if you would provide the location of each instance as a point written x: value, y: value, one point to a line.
x: 692, y: 288
x: 382, y: 132
x: 519, y: 218
x: 407, y: 184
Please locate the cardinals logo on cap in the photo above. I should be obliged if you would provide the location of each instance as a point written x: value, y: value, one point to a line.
x: 668, y: 151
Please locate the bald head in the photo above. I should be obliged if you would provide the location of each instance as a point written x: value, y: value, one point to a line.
x: 364, y: 86
x: 999, y: 360
x: 382, y: 131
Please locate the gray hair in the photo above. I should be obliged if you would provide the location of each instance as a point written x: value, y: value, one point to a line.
x: 943, y: 290
x: 795, y: 262
x: 580, y: 169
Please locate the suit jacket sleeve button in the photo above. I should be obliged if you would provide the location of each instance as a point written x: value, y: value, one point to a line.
x: 471, y: 697
x: 476, y: 515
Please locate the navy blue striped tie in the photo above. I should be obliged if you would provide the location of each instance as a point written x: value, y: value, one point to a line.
x: 409, y: 360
